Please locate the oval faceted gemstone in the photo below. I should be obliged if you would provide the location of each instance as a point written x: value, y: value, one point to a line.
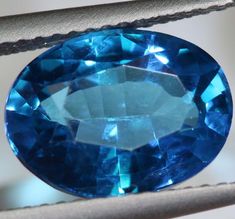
x: 119, y: 111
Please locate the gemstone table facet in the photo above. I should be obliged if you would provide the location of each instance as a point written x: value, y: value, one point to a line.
x: 119, y: 111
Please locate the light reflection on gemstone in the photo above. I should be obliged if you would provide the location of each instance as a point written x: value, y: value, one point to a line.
x: 123, y: 111
x: 119, y: 111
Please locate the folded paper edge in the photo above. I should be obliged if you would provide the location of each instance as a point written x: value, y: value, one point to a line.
x: 37, y: 42
x: 165, y: 204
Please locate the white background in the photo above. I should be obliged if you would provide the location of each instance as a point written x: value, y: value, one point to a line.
x: 9, y: 7
x: 215, y: 33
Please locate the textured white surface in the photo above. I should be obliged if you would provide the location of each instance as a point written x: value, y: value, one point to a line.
x: 166, y: 204
x: 215, y: 33
x: 79, y: 19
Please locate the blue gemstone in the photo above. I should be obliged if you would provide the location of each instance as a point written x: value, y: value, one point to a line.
x: 119, y: 111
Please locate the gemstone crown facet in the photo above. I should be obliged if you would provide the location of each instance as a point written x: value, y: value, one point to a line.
x: 119, y: 111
